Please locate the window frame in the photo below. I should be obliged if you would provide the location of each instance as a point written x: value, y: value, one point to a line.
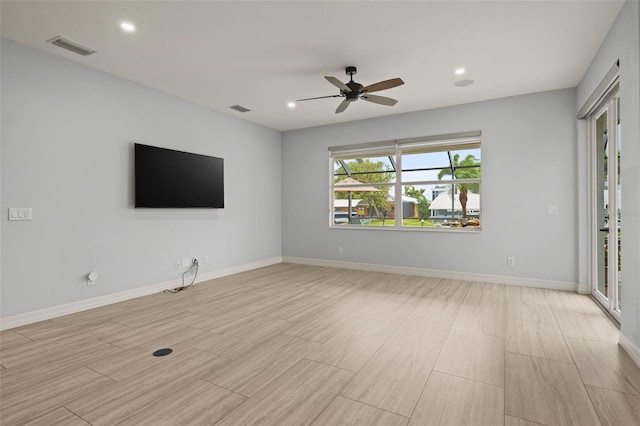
x: 395, y: 149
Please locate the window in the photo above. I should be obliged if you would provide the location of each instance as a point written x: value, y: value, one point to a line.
x: 418, y: 183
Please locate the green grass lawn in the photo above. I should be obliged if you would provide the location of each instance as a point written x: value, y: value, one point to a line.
x: 392, y: 222
x: 416, y: 222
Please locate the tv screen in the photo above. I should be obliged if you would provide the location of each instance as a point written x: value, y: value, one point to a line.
x: 167, y: 178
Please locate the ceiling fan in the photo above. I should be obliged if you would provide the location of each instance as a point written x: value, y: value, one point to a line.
x: 353, y: 91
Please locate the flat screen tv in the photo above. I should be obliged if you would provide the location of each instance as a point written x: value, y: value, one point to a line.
x: 165, y: 178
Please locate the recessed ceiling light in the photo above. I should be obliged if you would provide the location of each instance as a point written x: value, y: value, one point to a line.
x: 127, y: 27
x: 460, y: 71
x: 291, y: 104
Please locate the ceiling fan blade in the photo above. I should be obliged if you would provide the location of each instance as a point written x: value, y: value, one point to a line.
x: 340, y: 85
x: 383, y: 85
x: 343, y: 105
x: 319, y: 97
x: 382, y: 100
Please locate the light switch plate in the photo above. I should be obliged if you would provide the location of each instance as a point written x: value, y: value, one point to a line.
x: 20, y: 213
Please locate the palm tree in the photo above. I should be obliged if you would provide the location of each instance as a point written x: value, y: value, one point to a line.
x: 464, y: 170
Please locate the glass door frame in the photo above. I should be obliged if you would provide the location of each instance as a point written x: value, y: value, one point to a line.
x: 610, y: 106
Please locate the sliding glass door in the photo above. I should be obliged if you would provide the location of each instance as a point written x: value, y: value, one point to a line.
x: 606, y: 200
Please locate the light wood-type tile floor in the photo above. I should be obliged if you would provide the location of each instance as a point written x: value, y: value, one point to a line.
x: 303, y: 345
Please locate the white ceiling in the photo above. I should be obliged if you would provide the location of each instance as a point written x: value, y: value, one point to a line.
x: 263, y: 54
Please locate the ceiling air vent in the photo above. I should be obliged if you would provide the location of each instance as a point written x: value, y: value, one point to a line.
x: 71, y: 46
x: 240, y: 108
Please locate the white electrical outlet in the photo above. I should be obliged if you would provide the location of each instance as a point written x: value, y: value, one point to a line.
x: 178, y: 264
x: 552, y: 209
x: 511, y: 261
x: 205, y: 258
x: 20, y: 213
x: 339, y: 250
x: 92, y: 278
x: 186, y: 263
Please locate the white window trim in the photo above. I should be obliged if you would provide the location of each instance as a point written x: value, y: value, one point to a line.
x: 396, y: 148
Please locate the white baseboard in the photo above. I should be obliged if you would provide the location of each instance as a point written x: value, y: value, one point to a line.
x: 96, y: 302
x: 83, y: 305
x: 630, y: 348
x: 437, y: 273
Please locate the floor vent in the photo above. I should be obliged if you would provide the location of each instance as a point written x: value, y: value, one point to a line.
x: 240, y: 108
x: 71, y: 46
x: 163, y: 352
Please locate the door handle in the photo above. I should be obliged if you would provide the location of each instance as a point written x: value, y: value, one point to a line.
x: 604, y: 229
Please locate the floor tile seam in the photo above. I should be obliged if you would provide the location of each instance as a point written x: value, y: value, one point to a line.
x: 612, y: 390
x: 57, y: 343
x: 599, y: 313
x: 326, y: 340
x: 625, y: 354
x: 577, y: 370
x: 473, y: 380
x: 514, y: 317
x: 332, y: 366
x: 539, y: 357
x: 524, y: 418
x: 437, y: 359
x: 161, y: 370
x: 511, y: 319
x: 365, y: 363
x: 26, y: 337
x: 465, y: 329
x: 280, y: 374
x: 259, y: 342
x: 102, y: 374
x: 209, y: 352
x: 135, y: 412
x: 416, y: 347
x: 304, y: 338
x: 386, y: 340
x: 110, y: 344
x: 324, y: 409
x: 371, y: 405
x: 590, y: 340
x: 574, y: 359
x: 593, y: 404
x: 117, y: 323
x: 413, y: 411
x: 32, y: 416
x: 76, y: 414
x: 204, y: 379
x: 564, y: 339
x: 337, y: 393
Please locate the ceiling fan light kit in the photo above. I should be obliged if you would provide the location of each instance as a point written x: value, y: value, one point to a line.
x: 352, y: 91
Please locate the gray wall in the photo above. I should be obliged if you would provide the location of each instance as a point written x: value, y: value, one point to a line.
x: 67, y: 150
x: 528, y: 159
x: 623, y: 43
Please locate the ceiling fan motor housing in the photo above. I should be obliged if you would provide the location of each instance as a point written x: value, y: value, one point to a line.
x: 356, y: 91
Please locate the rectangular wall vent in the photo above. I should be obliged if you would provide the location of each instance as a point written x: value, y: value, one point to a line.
x: 240, y: 108
x: 71, y: 46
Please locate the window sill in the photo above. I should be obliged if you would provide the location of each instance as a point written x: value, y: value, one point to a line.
x: 464, y: 230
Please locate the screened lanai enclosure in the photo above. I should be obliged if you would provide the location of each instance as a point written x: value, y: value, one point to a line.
x: 437, y: 178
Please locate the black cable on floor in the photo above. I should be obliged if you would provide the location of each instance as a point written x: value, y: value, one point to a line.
x: 183, y: 287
